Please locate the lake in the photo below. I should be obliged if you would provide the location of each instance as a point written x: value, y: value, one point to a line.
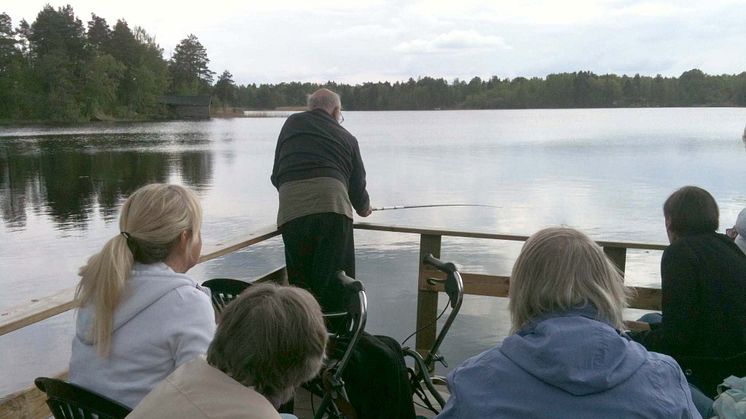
x: 604, y: 171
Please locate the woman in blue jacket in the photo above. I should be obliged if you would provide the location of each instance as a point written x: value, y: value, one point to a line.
x: 567, y: 357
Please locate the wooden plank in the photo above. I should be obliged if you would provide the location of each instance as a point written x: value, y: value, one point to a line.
x: 493, y: 236
x: 427, y: 299
x: 476, y: 284
x: 646, y: 298
x: 30, y: 403
x: 35, y: 311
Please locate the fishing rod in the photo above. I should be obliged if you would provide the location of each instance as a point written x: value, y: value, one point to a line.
x: 398, y: 207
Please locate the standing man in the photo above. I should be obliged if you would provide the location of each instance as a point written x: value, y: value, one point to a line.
x: 320, y: 177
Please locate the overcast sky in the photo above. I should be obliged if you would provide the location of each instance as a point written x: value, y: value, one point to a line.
x: 355, y: 41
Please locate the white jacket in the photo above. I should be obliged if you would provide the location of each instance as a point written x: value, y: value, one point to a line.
x: 164, y: 320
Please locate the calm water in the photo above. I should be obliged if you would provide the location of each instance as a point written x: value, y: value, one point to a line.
x: 606, y: 172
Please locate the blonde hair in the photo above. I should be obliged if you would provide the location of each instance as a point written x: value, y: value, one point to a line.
x: 559, y: 269
x: 272, y: 338
x: 151, y: 222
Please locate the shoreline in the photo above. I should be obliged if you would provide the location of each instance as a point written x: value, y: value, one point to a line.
x: 283, y: 112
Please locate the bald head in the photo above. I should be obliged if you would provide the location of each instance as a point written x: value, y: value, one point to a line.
x: 327, y: 100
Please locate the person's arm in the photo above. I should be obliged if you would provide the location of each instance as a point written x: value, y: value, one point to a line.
x: 451, y: 409
x: 193, y: 325
x: 275, y: 165
x: 357, y: 187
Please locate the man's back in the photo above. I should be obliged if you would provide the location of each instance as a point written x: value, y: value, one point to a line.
x: 311, y: 144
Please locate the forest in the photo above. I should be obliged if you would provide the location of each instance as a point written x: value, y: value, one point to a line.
x: 58, y: 69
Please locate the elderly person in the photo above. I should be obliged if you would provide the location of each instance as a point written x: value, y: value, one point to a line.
x: 320, y: 178
x: 567, y: 357
x: 703, y: 287
x: 140, y: 315
x: 269, y: 340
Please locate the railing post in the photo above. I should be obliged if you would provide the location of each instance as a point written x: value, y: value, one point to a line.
x: 427, y: 298
x: 618, y: 255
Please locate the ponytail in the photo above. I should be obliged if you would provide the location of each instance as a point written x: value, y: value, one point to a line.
x: 151, y: 221
x: 102, y: 282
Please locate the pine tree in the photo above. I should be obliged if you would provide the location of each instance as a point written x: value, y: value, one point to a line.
x: 189, y: 72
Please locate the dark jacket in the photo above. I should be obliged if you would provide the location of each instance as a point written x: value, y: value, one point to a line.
x: 312, y: 144
x: 703, y: 298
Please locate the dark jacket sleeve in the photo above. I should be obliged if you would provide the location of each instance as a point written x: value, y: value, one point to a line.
x: 276, y: 165
x: 679, y: 288
x: 357, y: 192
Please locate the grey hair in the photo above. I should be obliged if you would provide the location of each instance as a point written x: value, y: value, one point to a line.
x: 324, y: 99
x: 272, y: 338
x: 561, y: 268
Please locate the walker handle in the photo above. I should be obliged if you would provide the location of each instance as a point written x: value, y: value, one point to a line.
x: 349, y: 283
x: 447, y: 267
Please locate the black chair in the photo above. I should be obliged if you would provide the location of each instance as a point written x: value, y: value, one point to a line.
x: 708, y: 372
x: 224, y: 290
x: 69, y: 401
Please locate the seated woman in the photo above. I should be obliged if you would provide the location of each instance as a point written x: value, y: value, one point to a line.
x: 139, y: 315
x: 567, y: 357
x: 703, y: 287
x: 269, y: 340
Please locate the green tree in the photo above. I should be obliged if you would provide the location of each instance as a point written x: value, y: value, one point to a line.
x: 190, y: 74
x: 11, y: 63
x: 98, y: 33
x: 225, y: 89
x: 58, y: 50
x: 102, y: 83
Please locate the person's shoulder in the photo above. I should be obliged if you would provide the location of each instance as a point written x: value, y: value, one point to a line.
x: 479, y: 363
x: 190, y: 293
x: 663, y: 362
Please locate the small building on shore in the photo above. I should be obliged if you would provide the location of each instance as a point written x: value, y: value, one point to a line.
x: 188, y: 107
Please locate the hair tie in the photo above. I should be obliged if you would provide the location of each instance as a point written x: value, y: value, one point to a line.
x: 125, y: 234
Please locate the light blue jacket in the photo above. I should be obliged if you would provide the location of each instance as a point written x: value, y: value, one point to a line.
x: 569, y: 365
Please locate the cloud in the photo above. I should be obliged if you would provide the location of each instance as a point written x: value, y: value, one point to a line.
x: 453, y: 41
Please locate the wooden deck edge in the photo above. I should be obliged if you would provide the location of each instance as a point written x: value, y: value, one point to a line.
x: 30, y: 403
x: 492, y: 236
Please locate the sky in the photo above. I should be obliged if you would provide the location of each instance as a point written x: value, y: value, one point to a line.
x: 357, y: 41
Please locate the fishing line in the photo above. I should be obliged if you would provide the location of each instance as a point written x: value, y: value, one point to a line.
x: 398, y: 207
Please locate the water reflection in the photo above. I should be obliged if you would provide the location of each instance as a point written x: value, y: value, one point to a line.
x: 69, y: 177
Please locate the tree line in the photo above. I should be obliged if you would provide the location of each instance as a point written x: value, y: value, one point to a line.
x: 58, y: 69
x: 581, y: 89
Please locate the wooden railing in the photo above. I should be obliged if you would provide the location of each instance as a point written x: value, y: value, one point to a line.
x: 30, y: 403
x: 493, y: 285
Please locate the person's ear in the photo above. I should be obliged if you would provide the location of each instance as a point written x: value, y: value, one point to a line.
x: 184, y: 239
